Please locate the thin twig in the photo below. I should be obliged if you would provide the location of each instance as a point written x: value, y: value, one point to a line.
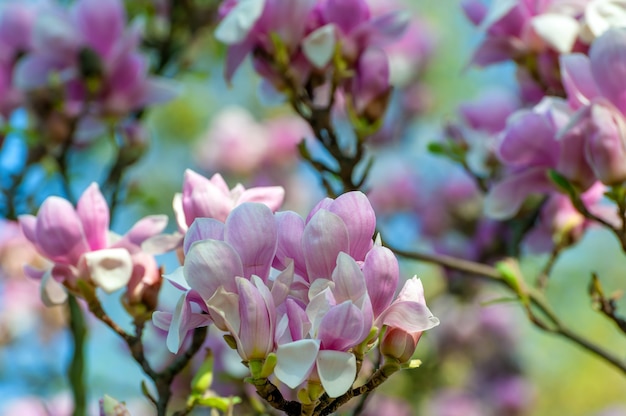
x: 535, y: 298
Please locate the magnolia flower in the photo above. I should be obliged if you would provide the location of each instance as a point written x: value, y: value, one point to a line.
x: 78, y: 242
x: 299, y: 289
x: 534, y: 142
x: 215, y: 255
x: 89, y: 51
x: 209, y: 198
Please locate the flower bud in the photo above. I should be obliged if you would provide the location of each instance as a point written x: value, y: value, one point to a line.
x: 399, y: 344
x: 606, y: 145
x: 111, y: 407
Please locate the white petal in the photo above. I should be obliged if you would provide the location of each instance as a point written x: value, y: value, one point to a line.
x: 319, y: 45
x: 295, y: 360
x: 239, y: 21
x: 162, y: 320
x: 337, y: 371
x: 162, y: 243
x: 109, y: 269
x: 174, y: 336
x: 601, y: 15
x: 559, y: 31
x: 179, y: 213
x: 177, y: 278
x: 52, y: 292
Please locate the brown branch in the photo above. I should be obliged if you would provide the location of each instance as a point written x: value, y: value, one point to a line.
x: 535, y: 298
x: 379, y: 377
x: 606, y: 306
x: 270, y: 393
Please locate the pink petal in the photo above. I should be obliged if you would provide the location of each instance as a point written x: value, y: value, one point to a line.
x: 101, y: 22
x: 201, y: 198
x: 290, y: 231
x: 324, y: 237
x: 349, y: 280
x: 251, y: 229
x: 299, y: 325
x: 529, y: 139
x: 93, y: 211
x: 608, y: 65
x: 381, y: 273
x: 257, y: 314
x: 409, y: 316
x: 578, y: 80
x: 342, y: 327
x: 203, y: 229
x: 272, y: 196
x: 281, y: 286
x: 144, y: 228
x: 360, y: 220
x: 506, y: 197
x: 210, y: 264
x: 28, y: 224
x: 346, y: 14
x: 60, y: 231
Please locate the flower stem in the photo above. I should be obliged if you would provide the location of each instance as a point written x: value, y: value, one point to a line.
x: 76, y: 370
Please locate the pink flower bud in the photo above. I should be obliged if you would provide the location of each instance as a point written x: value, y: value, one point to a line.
x: 606, y: 145
x: 399, y: 344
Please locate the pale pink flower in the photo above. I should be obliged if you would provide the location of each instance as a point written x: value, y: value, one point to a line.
x: 78, y: 242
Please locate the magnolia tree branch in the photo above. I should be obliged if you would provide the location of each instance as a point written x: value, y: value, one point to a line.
x: 606, y: 305
x: 319, y: 118
x: 532, y: 299
x: 270, y: 393
x: 378, y: 378
x: 163, y: 379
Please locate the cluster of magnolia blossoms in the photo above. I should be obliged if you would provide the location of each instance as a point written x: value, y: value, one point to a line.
x: 535, y: 34
x: 77, y: 61
x: 313, y: 294
x: 582, y: 138
x: 315, y: 43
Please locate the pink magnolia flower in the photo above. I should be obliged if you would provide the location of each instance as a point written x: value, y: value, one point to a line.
x: 248, y: 24
x: 237, y: 143
x: 309, y: 32
x: 595, y: 87
x: 16, y: 33
x: 215, y: 255
x: 524, y: 31
x: 530, y: 147
x: 88, y: 49
x: 314, y: 308
x: 350, y: 284
x: 78, y: 242
x: 211, y: 198
x: 561, y: 223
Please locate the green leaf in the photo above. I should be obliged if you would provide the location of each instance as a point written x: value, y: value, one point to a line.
x: 203, y: 378
x: 437, y: 148
x: 562, y: 183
